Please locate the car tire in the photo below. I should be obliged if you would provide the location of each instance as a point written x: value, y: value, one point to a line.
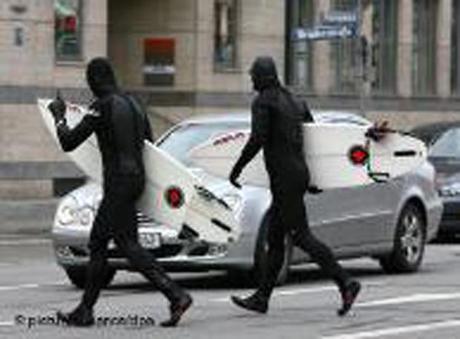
x: 77, y: 275
x: 261, y: 254
x: 409, y: 242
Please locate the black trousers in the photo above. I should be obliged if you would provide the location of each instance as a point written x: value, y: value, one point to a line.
x: 287, y: 214
x: 116, y: 218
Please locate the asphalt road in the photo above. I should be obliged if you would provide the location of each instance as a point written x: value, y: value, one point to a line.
x: 421, y: 305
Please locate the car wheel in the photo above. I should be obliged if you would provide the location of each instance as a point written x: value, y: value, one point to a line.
x: 409, y: 242
x: 261, y: 253
x: 77, y: 275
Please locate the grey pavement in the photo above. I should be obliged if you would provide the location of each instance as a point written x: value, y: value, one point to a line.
x: 421, y: 305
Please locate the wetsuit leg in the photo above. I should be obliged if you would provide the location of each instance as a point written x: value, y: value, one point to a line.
x: 294, y: 216
x: 126, y: 238
x: 97, y: 268
x: 275, y: 256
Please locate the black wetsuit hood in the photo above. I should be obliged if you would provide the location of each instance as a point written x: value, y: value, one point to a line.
x: 264, y: 74
x: 101, y: 77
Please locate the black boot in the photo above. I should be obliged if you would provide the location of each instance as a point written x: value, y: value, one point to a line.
x: 177, y: 309
x: 180, y: 301
x: 349, y: 294
x: 82, y: 316
x: 256, y: 302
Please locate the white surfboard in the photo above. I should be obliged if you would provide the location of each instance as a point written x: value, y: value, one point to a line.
x: 328, y: 153
x: 196, y: 206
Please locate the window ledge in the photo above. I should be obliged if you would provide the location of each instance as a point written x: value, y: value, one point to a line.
x: 70, y: 63
x: 227, y: 70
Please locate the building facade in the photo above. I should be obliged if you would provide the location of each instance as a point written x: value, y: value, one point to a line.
x: 179, y: 57
x: 411, y: 68
x: 186, y: 57
x: 44, y: 45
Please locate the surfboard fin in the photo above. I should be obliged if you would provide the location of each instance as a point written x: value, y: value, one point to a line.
x: 209, y: 196
x: 379, y: 177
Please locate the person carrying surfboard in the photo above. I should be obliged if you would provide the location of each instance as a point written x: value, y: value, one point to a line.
x: 277, y: 118
x: 120, y: 127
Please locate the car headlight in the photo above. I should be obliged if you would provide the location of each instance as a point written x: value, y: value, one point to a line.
x: 450, y: 190
x: 86, y: 216
x: 67, y: 211
x: 70, y: 213
x: 234, y: 201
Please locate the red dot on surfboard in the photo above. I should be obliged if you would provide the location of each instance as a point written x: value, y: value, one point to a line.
x: 358, y: 155
x: 174, y: 197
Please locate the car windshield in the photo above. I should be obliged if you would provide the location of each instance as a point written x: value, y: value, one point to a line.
x: 184, y: 137
x: 447, y: 145
x: 341, y: 118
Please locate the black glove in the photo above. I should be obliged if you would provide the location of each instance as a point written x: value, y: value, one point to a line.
x: 378, y: 131
x: 95, y: 106
x: 235, y: 173
x: 57, y: 107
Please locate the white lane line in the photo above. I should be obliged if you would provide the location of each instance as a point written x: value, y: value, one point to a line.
x: 29, y: 286
x: 289, y: 292
x: 24, y: 242
x: 397, y: 330
x: 414, y: 298
x: 6, y: 323
x: 18, y: 287
x: 299, y: 291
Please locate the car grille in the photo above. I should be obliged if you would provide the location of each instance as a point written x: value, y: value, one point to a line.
x: 142, y: 219
x: 163, y: 252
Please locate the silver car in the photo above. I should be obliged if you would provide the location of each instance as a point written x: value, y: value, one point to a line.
x: 390, y: 221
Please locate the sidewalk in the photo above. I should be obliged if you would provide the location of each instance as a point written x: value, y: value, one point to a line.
x: 33, y: 217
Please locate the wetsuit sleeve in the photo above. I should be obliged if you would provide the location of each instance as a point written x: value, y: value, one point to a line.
x: 260, y: 126
x: 69, y: 138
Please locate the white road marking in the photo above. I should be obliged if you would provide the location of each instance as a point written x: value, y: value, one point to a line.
x: 302, y: 291
x: 414, y: 298
x: 20, y: 242
x: 6, y: 323
x: 18, y: 287
x: 29, y: 286
x: 397, y: 330
x: 289, y: 292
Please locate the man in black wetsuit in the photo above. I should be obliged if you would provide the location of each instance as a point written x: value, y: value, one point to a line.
x: 277, y: 119
x: 120, y: 127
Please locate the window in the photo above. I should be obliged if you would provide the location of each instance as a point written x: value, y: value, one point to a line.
x: 344, y: 54
x: 448, y: 145
x: 67, y: 30
x: 184, y: 138
x: 226, y: 34
x: 424, y: 47
x: 301, y: 15
x: 455, y: 51
x: 385, y: 45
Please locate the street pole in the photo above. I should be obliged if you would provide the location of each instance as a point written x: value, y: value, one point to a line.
x: 361, y: 60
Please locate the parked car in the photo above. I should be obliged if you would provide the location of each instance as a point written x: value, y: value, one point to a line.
x: 390, y: 222
x: 443, y: 140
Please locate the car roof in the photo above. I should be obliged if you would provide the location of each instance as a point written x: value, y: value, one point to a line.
x: 428, y: 132
x: 437, y: 126
x: 244, y: 117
